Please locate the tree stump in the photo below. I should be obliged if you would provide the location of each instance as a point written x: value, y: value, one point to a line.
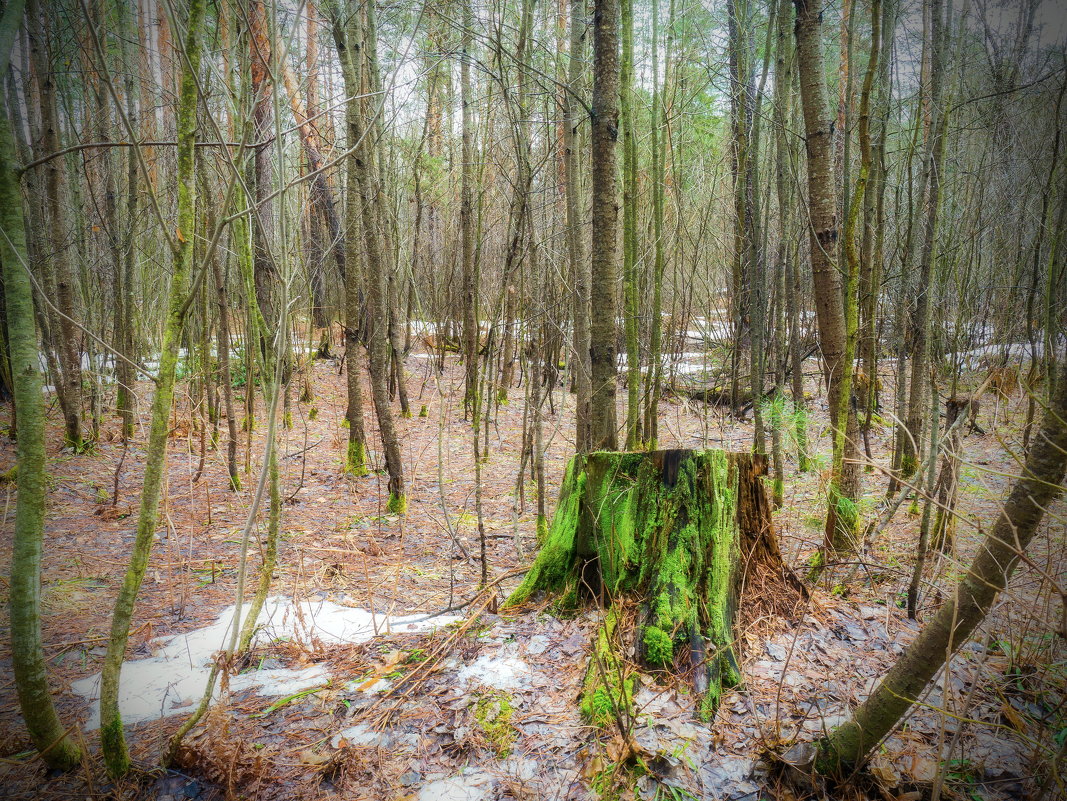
x: 682, y: 538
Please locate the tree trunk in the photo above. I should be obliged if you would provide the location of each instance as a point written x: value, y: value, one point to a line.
x: 65, y: 332
x: 48, y: 734
x: 1040, y: 484
x: 222, y: 348
x: 673, y: 531
x: 605, y: 218
x: 948, y: 479
x: 357, y: 62
x: 575, y: 237
x: 113, y: 739
x: 658, y: 126
x: 263, y: 168
x: 829, y: 310
x: 348, y: 54
x: 125, y: 299
x: 631, y: 313
x: 372, y: 218
x: 932, y: 157
x: 466, y: 217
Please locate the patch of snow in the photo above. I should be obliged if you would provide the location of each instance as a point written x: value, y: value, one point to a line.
x: 471, y: 787
x: 280, y: 681
x: 380, y: 686
x: 501, y: 672
x: 1017, y: 351
x: 172, y: 681
x: 360, y: 734
x: 538, y: 644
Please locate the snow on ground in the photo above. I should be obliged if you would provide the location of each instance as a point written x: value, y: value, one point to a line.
x: 501, y: 672
x: 172, y: 681
x: 1017, y: 351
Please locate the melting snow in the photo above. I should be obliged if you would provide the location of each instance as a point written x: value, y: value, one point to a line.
x: 360, y: 734
x: 501, y: 672
x: 470, y: 787
x: 172, y: 681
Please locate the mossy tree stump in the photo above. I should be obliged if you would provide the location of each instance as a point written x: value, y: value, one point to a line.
x: 684, y: 537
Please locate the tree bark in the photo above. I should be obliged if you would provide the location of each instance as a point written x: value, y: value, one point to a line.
x: 351, y: 35
x: 344, y: 31
x: 605, y: 216
x: 823, y: 234
x: 113, y: 740
x: 466, y: 216
x: 575, y: 238
x: 932, y: 153
x: 125, y: 299
x: 48, y: 734
x: 631, y: 312
x: 263, y: 167
x: 65, y: 332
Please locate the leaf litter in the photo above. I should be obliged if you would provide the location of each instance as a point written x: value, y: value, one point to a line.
x: 394, y: 714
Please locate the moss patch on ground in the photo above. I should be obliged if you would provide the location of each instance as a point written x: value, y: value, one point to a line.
x: 493, y: 712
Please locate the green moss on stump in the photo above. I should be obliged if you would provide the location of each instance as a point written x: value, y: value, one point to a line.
x: 668, y: 530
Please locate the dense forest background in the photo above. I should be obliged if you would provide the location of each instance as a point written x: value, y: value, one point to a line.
x: 357, y: 303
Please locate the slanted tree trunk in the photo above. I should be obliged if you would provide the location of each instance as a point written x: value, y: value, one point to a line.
x: 1040, y: 484
x: 113, y: 739
x: 48, y: 734
x: 679, y: 533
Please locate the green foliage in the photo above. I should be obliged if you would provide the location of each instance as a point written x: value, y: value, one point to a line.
x: 238, y: 373
x: 313, y: 413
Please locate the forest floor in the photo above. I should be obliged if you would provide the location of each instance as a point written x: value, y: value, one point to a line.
x: 486, y: 707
